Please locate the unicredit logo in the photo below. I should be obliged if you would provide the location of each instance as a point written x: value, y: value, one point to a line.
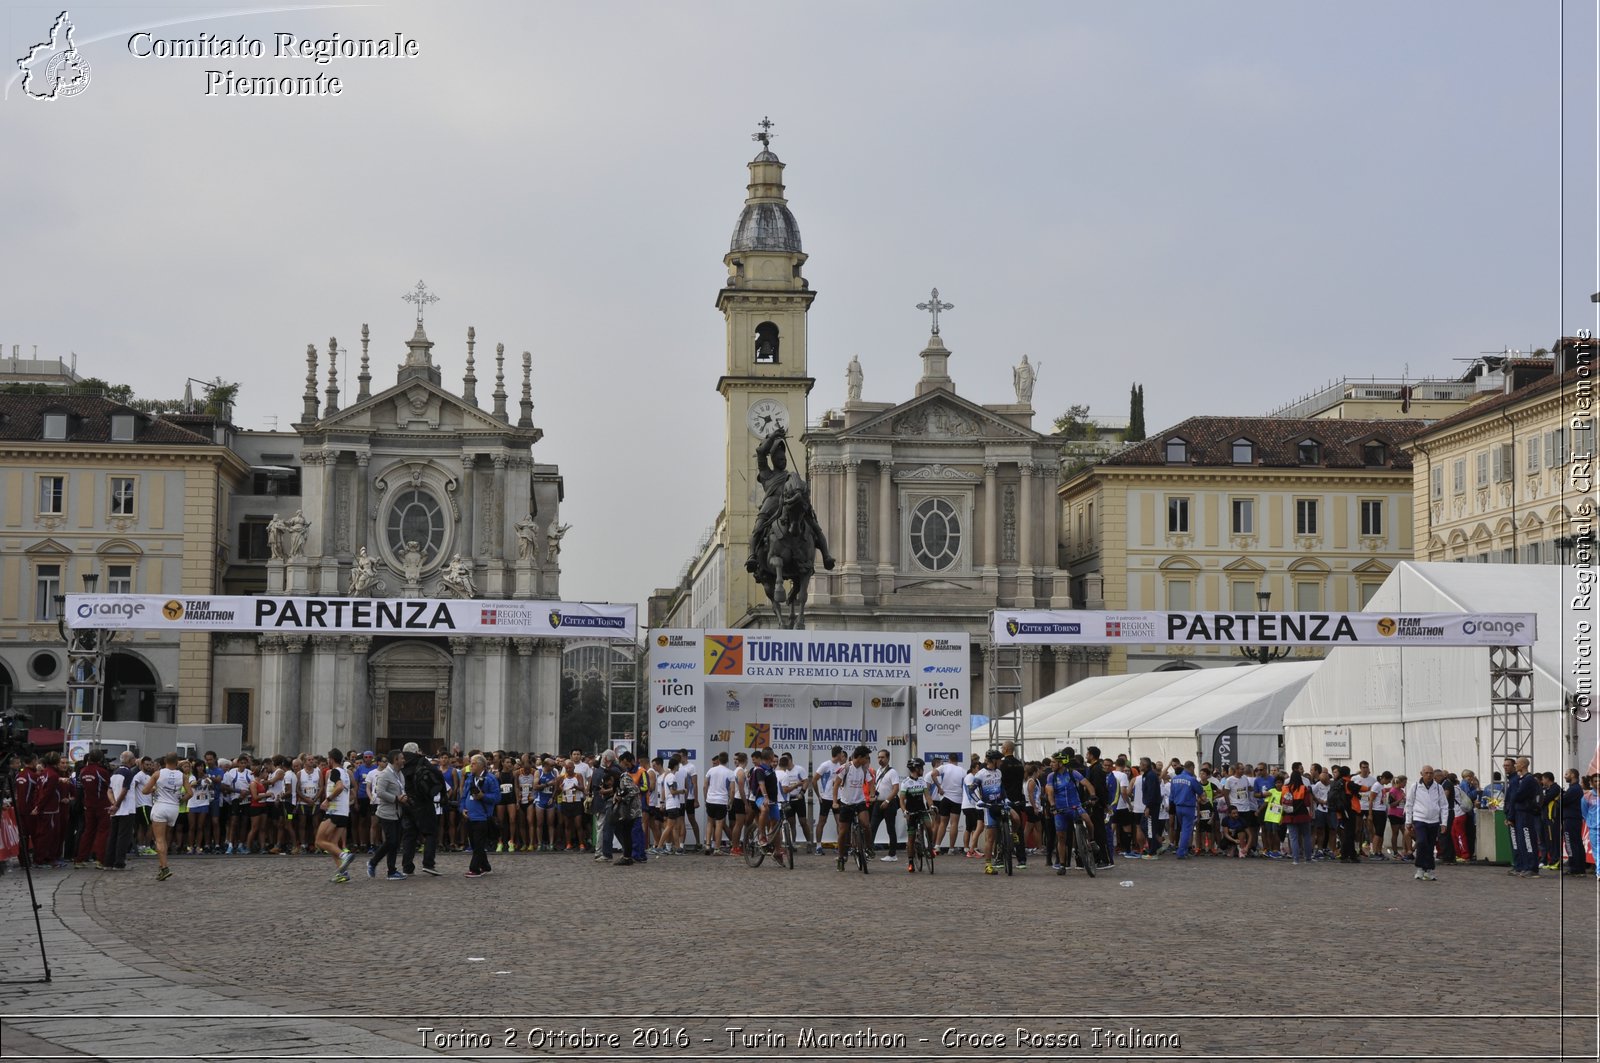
x: 674, y: 708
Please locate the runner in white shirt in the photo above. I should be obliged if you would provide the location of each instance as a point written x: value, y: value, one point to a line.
x: 822, y: 786
x: 167, y: 789
x: 792, y: 785
x: 336, y: 806
x: 673, y: 796
x: 1365, y: 783
x: 1122, y: 817
x: 147, y: 768
x: 972, y: 814
x: 949, y: 782
x: 716, y: 791
x: 689, y: 779
x: 886, y: 793
x: 309, y: 782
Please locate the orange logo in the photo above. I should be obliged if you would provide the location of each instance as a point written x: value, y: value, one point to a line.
x: 725, y: 655
x: 757, y: 735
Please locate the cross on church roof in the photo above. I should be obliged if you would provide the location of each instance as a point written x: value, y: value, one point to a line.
x: 933, y: 306
x: 766, y: 134
x: 422, y: 297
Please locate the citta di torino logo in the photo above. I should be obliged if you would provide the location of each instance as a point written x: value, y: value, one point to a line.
x: 54, y: 69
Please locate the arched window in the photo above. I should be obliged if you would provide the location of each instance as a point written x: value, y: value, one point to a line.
x: 766, y: 343
x: 935, y: 534
x: 416, y: 516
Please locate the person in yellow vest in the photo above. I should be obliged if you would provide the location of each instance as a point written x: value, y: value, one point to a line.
x: 1272, y: 820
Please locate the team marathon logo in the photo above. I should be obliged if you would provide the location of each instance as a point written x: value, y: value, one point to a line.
x: 195, y: 611
x: 54, y: 69
x: 665, y: 641
x: 558, y: 619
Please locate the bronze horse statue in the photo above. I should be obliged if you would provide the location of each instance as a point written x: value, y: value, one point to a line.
x: 787, y: 551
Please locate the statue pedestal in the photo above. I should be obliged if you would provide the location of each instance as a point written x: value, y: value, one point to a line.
x: 527, y: 580
x: 297, y: 578
x: 495, y: 584
x: 275, y: 583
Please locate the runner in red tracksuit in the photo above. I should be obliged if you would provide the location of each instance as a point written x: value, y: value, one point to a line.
x: 25, y: 787
x: 49, y: 813
x: 94, y: 784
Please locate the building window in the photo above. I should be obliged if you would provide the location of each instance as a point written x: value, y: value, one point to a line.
x: 1374, y: 453
x: 1244, y: 596
x: 55, y: 426
x: 766, y: 343
x: 1532, y: 446
x: 1310, y: 452
x: 415, y: 517
x: 43, y: 666
x: 935, y: 534
x: 1366, y: 590
x: 47, y: 585
x: 1305, y: 516
x: 253, y: 539
x: 1244, y: 516
x: 123, y: 499
x: 1371, y: 516
x: 52, y: 495
x: 1555, y: 448
x: 236, y: 703
x: 1503, y: 462
x: 122, y: 427
x: 1177, y: 452
x: 1458, y: 476
x: 278, y: 481
x: 1482, y: 465
x: 1177, y: 516
x: 119, y: 579
x: 1180, y: 594
x: 1244, y: 452
x: 1435, y: 484
x: 1583, y: 438
x: 1307, y: 596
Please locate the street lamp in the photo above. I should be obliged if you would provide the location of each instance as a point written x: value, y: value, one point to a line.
x: 86, y: 673
x: 1263, y: 654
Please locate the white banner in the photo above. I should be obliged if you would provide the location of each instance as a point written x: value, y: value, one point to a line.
x: 1067, y: 627
x: 377, y: 616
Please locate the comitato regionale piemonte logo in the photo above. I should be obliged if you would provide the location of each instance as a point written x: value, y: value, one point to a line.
x: 54, y: 69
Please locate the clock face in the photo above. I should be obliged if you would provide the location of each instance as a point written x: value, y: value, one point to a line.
x: 766, y: 415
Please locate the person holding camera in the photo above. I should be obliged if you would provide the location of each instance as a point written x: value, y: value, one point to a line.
x: 478, y: 802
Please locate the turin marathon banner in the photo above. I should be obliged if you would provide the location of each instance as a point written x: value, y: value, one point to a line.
x: 1329, y: 630
x: 375, y: 616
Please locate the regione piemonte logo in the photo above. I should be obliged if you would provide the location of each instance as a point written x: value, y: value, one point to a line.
x: 54, y: 69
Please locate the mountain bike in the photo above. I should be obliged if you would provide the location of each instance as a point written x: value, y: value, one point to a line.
x: 919, y: 841
x: 858, y: 846
x: 1082, y: 850
x: 763, y: 836
x: 1004, y: 845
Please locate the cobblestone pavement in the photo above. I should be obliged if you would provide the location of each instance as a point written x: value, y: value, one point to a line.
x: 1233, y: 960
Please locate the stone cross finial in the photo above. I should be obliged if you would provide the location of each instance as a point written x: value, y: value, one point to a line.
x: 421, y: 297
x: 766, y: 134
x: 933, y: 306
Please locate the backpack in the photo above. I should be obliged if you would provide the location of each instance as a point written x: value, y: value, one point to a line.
x: 1339, y: 796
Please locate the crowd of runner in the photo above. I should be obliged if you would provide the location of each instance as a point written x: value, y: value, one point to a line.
x: 396, y: 806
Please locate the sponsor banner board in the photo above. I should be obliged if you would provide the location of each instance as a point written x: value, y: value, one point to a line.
x: 1327, y: 630
x: 374, y: 616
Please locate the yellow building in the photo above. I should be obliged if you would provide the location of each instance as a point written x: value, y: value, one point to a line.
x: 89, y: 486
x: 1216, y: 510
x: 1510, y: 478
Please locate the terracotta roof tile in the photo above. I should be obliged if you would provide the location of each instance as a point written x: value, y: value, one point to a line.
x: 1277, y: 442
x: 22, y: 419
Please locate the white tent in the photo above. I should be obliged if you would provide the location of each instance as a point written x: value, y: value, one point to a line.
x: 1402, y: 708
x: 1048, y: 721
x: 1185, y: 719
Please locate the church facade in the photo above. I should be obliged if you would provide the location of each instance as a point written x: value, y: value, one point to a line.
x: 408, y: 491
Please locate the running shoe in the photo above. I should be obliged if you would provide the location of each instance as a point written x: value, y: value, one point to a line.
x: 1022, y: 865
x: 819, y: 850
x: 341, y: 877
x: 474, y: 874
x: 395, y: 876
x: 345, y: 859
x: 164, y: 874
x: 372, y: 870
x: 431, y: 871
x: 892, y: 859
x: 988, y: 869
x: 912, y: 868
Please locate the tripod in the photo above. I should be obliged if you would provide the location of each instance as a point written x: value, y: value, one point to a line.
x: 8, y: 795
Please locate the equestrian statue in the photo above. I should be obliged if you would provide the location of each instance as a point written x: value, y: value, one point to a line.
x: 787, y: 537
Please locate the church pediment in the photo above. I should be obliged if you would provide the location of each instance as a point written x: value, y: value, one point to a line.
x: 939, y: 416
x: 419, y: 404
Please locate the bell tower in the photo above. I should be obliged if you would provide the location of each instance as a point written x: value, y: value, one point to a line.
x: 764, y: 303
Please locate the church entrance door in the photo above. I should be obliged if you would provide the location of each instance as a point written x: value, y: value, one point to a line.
x: 411, y: 719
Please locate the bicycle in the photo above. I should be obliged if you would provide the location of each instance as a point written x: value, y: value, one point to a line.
x: 1081, y: 849
x: 919, y: 840
x: 858, y: 845
x: 764, y: 836
x: 1004, y: 850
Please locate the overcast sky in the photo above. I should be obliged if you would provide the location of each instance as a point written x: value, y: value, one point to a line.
x: 1228, y: 202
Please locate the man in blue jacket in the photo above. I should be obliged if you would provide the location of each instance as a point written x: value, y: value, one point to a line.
x: 1185, y: 791
x: 1522, y: 811
x: 1572, y: 824
x: 478, y: 798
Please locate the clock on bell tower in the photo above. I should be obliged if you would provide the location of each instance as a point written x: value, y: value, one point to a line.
x: 764, y: 303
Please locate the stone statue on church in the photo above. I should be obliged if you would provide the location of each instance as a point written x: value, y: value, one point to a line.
x: 527, y: 539
x: 1022, y: 378
x: 411, y: 563
x: 277, y: 536
x: 557, y: 533
x: 456, y: 578
x: 787, y: 535
x: 297, y: 528
x: 852, y: 380
x: 362, y: 573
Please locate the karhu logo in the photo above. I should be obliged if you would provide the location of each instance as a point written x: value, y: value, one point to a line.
x: 54, y: 69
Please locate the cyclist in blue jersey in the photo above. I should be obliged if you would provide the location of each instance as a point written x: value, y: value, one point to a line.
x: 1062, y: 796
x: 988, y: 789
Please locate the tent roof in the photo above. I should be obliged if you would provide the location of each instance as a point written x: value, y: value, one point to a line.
x: 1058, y: 713
x: 1253, y: 701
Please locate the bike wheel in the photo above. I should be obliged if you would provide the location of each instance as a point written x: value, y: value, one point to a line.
x: 863, y: 848
x: 788, y: 843
x: 754, y: 853
x: 842, y: 844
x: 1008, y: 857
x: 1082, y: 848
x: 929, y: 860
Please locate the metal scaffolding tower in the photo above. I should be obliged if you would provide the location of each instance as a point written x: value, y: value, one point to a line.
x: 1510, y: 701
x: 1003, y: 694
x: 86, y: 686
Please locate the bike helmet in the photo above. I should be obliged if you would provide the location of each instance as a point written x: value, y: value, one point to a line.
x: 914, y: 764
x: 993, y: 754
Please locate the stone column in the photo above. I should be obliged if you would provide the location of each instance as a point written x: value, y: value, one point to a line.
x: 269, y: 729
x: 991, y: 509
x: 520, y: 705
x: 329, y: 721
x: 497, y: 700
x: 1030, y: 675
x: 886, y: 496
x: 466, y: 724
x: 296, y: 726
x: 494, y: 576
x: 1059, y: 679
x: 848, y: 549
x: 1025, y: 559
x: 362, y: 532
x: 465, y: 544
x: 364, y: 721
x: 545, y: 707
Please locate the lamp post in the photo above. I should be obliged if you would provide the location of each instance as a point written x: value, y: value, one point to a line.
x: 1263, y: 654
x: 86, y: 677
